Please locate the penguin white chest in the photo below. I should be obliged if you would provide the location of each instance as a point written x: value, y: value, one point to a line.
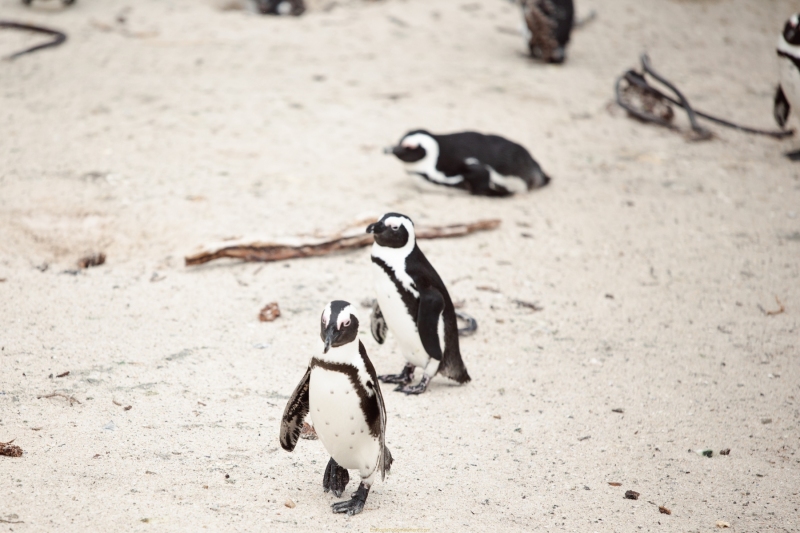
x: 335, y: 409
x: 402, y: 325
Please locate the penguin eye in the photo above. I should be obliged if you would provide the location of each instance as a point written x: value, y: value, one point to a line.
x: 346, y: 323
x: 395, y: 227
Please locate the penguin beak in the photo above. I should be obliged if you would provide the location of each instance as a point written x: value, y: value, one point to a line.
x: 376, y: 228
x: 330, y: 335
x: 396, y: 150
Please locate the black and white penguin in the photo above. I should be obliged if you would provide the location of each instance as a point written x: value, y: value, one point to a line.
x: 788, y: 94
x: 65, y: 2
x: 341, y: 392
x: 549, y: 24
x: 481, y: 164
x: 414, y: 305
x: 281, y: 7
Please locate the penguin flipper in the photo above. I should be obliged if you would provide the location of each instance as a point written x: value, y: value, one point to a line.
x: 378, y: 323
x: 431, y: 305
x: 294, y: 414
x: 781, y: 108
x: 385, y: 457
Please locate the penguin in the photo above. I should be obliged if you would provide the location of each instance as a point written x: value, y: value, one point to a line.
x: 486, y: 165
x: 549, y: 24
x: 788, y: 94
x: 340, y: 391
x: 64, y: 2
x: 414, y: 305
x: 281, y: 7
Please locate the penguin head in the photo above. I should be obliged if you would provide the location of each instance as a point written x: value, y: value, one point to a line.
x: 791, y: 31
x: 338, y: 325
x: 414, y: 146
x: 393, y: 230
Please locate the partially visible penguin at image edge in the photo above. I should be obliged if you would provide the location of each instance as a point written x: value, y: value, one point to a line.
x: 787, y: 96
x: 548, y: 24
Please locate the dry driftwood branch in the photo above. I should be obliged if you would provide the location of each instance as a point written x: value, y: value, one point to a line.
x: 291, y: 249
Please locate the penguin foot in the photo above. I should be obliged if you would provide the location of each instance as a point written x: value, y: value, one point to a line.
x: 793, y: 156
x: 405, y: 376
x: 355, y: 505
x: 419, y: 388
x: 335, y: 479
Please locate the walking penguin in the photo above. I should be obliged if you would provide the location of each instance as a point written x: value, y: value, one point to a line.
x: 413, y: 303
x: 340, y: 390
x: 486, y: 165
x: 788, y: 94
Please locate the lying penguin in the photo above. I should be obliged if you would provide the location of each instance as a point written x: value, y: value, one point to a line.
x: 486, y: 165
x: 788, y: 94
x: 548, y: 24
x: 414, y: 305
x: 340, y: 390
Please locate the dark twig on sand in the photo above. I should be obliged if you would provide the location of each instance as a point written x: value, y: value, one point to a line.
x: 654, y: 104
x: 58, y: 37
x: 70, y: 399
x: 534, y: 306
x: 278, y: 251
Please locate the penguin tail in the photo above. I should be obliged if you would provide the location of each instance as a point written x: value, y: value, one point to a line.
x: 456, y: 372
x: 387, y: 462
x: 540, y: 179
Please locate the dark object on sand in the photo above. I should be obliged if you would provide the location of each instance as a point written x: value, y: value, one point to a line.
x: 648, y: 104
x: 549, y: 24
x: 10, y: 450
x: 92, y: 260
x: 294, y: 8
x: 65, y: 2
x: 270, y: 312
x: 58, y: 37
x: 631, y: 495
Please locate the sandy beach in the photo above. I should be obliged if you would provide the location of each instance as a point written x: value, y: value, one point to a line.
x: 667, y: 271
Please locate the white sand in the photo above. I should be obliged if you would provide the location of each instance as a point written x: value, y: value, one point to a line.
x: 197, y: 124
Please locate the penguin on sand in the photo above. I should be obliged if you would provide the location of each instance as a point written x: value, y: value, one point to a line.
x: 549, y: 24
x: 281, y: 7
x: 414, y: 305
x: 486, y: 165
x: 340, y: 391
x: 788, y: 93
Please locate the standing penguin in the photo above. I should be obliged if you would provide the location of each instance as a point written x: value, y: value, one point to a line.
x: 340, y: 389
x: 549, y: 24
x: 788, y: 94
x: 486, y: 165
x: 414, y: 304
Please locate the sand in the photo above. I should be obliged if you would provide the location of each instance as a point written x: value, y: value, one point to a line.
x: 649, y: 254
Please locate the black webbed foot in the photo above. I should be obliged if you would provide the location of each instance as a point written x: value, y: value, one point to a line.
x: 354, y: 505
x: 403, y: 378
x: 419, y: 388
x: 793, y: 156
x: 335, y: 479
